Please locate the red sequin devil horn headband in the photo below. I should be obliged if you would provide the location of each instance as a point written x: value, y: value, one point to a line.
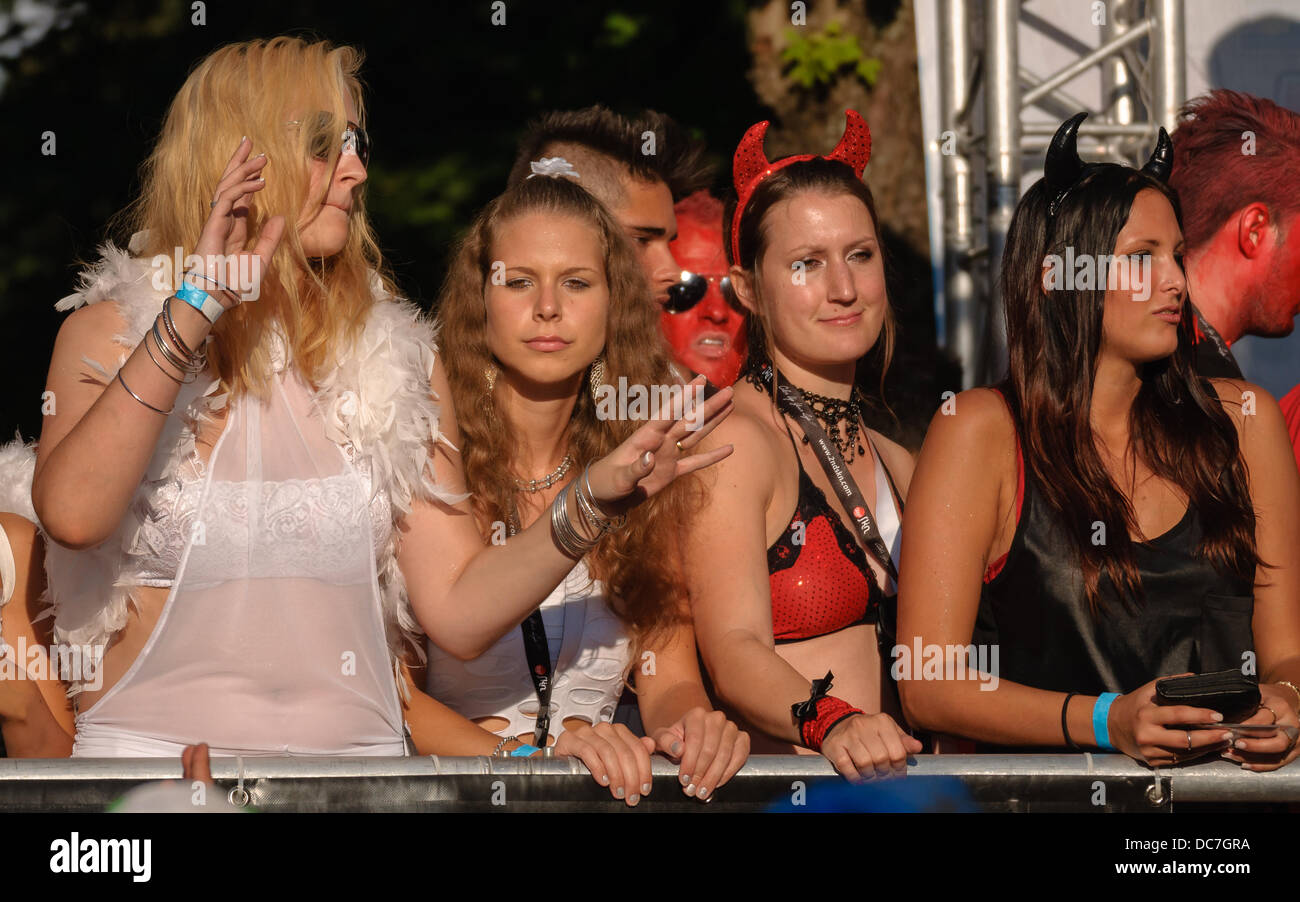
x: 751, y: 165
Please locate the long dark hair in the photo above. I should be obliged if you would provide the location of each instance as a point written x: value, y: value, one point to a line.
x: 830, y: 177
x: 1177, y: 424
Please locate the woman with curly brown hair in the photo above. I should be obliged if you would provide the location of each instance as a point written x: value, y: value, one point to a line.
x: 545, y: 306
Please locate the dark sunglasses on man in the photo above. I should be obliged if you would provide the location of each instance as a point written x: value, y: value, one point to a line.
x: 693, y: 287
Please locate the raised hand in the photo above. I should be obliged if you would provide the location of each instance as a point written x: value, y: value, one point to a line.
x: 225, y: 232
x: 659, y: 452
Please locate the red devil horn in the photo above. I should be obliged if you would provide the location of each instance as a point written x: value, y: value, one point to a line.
x: 750, y: 159
x: 855, y: 145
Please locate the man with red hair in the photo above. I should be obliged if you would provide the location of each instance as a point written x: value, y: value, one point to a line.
x: 1236, y: 159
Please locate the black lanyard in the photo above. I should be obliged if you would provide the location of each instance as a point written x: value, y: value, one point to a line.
x: 855, y: 505
x: 538, y: 654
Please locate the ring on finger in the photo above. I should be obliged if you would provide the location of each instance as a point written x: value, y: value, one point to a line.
x: 1189, y: 739
x: 1270, y: 711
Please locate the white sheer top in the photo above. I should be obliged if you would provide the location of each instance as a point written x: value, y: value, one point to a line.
x: 272, y: 639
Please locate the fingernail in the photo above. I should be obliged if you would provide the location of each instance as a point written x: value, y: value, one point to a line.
x: 256, y: 155
x: 261, y: 180
x: 1226, y: 737
x: 243, y: 139
x: 633, y: 799
x: 620, y: 792
x: 1240, y: 743
x: 703, y: 793
x: 645, y: 788
x: 1217, y: 717
x: 676, y: 748
x: 604, y: 779
x: 690, y: 790
x: 684, y: 778
x: 645, y: 459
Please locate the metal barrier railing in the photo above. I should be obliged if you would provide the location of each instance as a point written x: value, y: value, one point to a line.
x: 1087, y: 782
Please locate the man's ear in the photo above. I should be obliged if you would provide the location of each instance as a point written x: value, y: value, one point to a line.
x: 743, y: 286
x: 1254, y: 226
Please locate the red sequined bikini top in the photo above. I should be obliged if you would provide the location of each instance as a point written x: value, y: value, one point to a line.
x: 823, y: 584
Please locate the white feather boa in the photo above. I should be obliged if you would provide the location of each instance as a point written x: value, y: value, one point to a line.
x: 378, y: 400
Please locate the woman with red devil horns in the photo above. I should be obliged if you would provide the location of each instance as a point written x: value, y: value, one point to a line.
x: 811, y: 498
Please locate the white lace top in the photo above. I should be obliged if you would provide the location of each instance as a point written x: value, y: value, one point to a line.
x: 303, y: 529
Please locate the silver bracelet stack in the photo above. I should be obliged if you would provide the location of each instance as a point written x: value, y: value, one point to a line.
x: 174, y: 351
x: 591, y: 512
x: 571, y: 541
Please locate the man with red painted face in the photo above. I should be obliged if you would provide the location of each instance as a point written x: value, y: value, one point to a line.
x: 1235, y: 163
x: 636, y: 167
x: 703, y: 321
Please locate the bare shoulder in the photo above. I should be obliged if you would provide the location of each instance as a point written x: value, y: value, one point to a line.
x: 751, y: 468
x: 1242, y: 400
x: 88, y: 329
x: 977, y: 418
x: 1262, y: 430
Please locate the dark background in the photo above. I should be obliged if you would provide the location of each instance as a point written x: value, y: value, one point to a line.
x: 448, y: 94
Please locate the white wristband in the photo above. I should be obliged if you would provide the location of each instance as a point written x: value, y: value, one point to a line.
x: 210, y: 307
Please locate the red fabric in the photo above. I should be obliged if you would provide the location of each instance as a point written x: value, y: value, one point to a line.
x: 996, y: 567
x: 830, y: 711
x: 825, y: 589
x: 1291, y: 410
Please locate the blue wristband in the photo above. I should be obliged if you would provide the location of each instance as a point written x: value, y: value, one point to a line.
x: 1100, y: 715
x: 201, y: 301
x: 525, y: 751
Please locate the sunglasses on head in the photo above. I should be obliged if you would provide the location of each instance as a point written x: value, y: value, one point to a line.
x: 354, y: 138
x: 693, y: 287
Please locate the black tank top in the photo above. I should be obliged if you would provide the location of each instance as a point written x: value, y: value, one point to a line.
x: 1190, y: 618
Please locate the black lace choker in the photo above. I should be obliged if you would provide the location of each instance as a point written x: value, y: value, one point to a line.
x: 840, y: 418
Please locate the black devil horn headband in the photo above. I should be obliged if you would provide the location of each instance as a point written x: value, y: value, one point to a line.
x: 1064, y: 170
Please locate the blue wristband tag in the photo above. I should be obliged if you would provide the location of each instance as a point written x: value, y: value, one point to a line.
x: 525, y: 751
x: 1100, y: 716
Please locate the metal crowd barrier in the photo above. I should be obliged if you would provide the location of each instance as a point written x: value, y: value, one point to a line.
x: 1086, y: 782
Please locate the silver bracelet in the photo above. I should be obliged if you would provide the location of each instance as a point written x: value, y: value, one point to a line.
x: 166, y: 372
x: 571, y: 542
x: 194, y: 273
x: 174, y: 334
x: 140, y: 399
x: 496, y: 752
x: 605, y: 523
x: 170, y: 355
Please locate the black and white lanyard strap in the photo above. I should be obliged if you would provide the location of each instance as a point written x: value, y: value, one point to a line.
x: 538, y: 654
x: 846, y: 489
